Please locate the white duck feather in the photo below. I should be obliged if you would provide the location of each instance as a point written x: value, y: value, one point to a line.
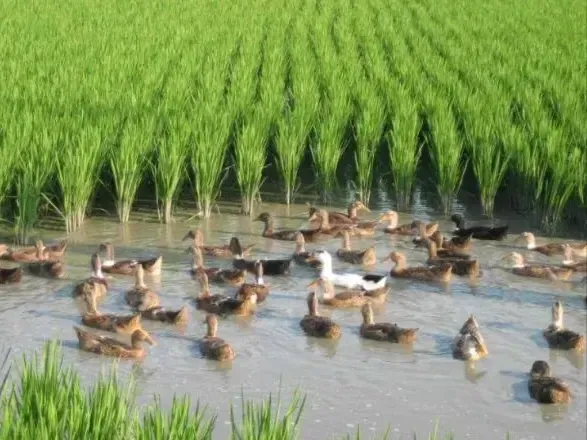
x: 348, y: 280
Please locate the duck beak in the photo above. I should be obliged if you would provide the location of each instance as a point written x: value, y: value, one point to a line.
x: 364, y: 208
x: 189, y: 234
x: 313, y: 217
x: 313, y: 284
x: 149, y: 339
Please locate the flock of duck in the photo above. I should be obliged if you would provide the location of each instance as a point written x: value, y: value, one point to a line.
x: 446, y: 257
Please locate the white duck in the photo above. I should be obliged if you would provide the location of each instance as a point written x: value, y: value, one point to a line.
x: 349, y: 280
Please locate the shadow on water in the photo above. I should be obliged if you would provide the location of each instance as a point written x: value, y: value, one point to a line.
x: 472, y: 374
x: 576, y: 359
x: 325, y: 347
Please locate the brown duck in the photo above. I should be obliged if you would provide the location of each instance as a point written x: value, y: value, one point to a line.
x: 234, y: 277
x: 300, y: 255
x: 325, y: 226
x: 140, y: 297
x: 318, y: 326
x: 151, y: 266
x: 392, y: 227
x: 454, y: 244
x: 441, y: 252
x: 536, y: 271
x: 103, y: 345
x: 546, y: 389
x: 469, y: 345
x: 576, y: 266
x: 161, y: 314
x: 50, y: 252
x: 12, y: 275
x: 347, y: 298
x: 384, y: 331
x: 258, y: 288
x: 214, y: 251
x: 213, y: 347
x: 310, y: 235
x: 96, y: 285
x: 43, y: 267
x: 337, y: 218
x: 560, y: 338
x: 462, y: 267
x: 205, y: 301
x: 365, y: 257
x: 111, y: 323
x: 441, y: 272
x: 550, y: 249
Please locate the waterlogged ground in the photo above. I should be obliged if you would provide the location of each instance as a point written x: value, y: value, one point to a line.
x: 351, y: 382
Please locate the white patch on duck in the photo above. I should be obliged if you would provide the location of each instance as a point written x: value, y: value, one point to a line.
x: 108, y: 263
x: 349, y: 280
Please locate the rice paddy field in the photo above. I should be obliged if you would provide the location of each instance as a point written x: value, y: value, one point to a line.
x: 482, y: 100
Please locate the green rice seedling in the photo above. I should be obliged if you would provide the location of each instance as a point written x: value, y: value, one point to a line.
x: 250, y: 156
x: 368, y: 131
x: 404, y: 147
x: 7, y: 170
x: 446, y: 152
x: 212, y: 127
x: 266, y: 421
x: 36, y: 153
x: 168, y: 164
x: 179, y: 422
x: 78, y: 169
x: 128, y: 161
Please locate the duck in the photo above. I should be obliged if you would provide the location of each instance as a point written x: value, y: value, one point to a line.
x: 546, y: 389
x: 424, y: 229
x: 103, y: 345
x: 151, y: 266
x: 233, y: 277
x: 349, y: 280
x: 384, y: 331
x: 258, y: 288
x: 365, y: 257
x: 325, y: 227
x: 43, y: 267
x: 205, y: 301
x: 12, y: 275
x: 576, y: 266
x: 560, y: 338
x: 213, y: 251
x: 350, y: 218
x: 26, y: 255
x: 454, y: 244
x: 140, y: 297
x: 238, y: 307
x: 213, y: 347
x: 300, y: 255
x: 111, y: 323
x: 275, y: 266
x: 469, y: 345
x: 392, y: 227
x: 437, y: 239
x: 310, y: 235
x: 50, y: 252
x: 4, y: 250
x: 96, y: 285
x: 318, y: 326
x: 536, y: 271
x: 460, y: 266
x: 551, y: 249
x: 440, y: 272
x: 479, y: 232
x: 348, y: 298
x: 177, y: 317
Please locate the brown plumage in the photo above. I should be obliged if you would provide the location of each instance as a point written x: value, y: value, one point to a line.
x: 43, y: 267
x: 310, y: 235
x: 205, y: 301
x: 441, y: 252
x: 151, y: 266
x: 4, y: 250
x: 111, y: 323
x: 234, y: 277
x: 462, y: 267
x: 384, y: 331
x: 546, y: 389
x: 365, y: 257
x: 214, y: 251
x: 50, y: 252
x: 469, y: 345
x: 560, y: 338
x: 325, y: 226
x: 300, y: 255
x: 337, y: 218
x: 96, y: 285
x: 423, y: 229
x: 25, y: 255
x: 536, y: 271
x: 140, y: 297
x: 346, y: 298
x: 569, y: 262
x: 441, y: 272
x: 392, y: 227
x: 258, y: 288
x: 103, y: 345
x: 318, y: 326
x: 578, y: 249
x: 238, y: 307
x: 453, y: 244
x: 213, y: 347
x: 161, y: 314
x: 10, y: 276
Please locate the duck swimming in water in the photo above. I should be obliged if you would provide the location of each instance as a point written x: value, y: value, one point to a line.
x: 384, y: 331
x: 478, y: 232
x: 544, y: 388
x: 318, y: 326
x: 441, y: 272
x: 469, y: 345
x: 536, y: 271
x: 560, y: 338
x: 350, y: 280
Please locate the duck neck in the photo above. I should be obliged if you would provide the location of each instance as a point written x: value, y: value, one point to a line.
x: 400, y: 264
x: 212, y: 328
x: 352, y: 211
x: 346, y: 241
x: 204, y: 288
x: 198, y: 239
x: 268, y: 226
x: 368, y: 316
x: 300, y: 248
x: 313, y: 305
x: 530, y: 242
x: 324, y: 222
x: 432, y: 252
x: 139, y: 279
x: 327, y: 289
x: 92, y: 306
x: 438, y: 239
x: 326, y: 270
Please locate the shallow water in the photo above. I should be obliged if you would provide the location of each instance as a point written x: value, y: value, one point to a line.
x: 350, y: 382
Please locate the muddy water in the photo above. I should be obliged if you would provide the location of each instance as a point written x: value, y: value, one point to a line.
x: 350, y: 382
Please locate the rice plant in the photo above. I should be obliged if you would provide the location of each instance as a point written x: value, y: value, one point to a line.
x: 266, y: 420
x: 404, y: 147
x: 129, y: 159
x: 7, y: 171
x: 250, y: 156
x: 78, y: 168
x: 168, y: 164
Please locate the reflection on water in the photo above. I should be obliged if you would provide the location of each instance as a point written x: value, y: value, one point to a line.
x: 344, y: 379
